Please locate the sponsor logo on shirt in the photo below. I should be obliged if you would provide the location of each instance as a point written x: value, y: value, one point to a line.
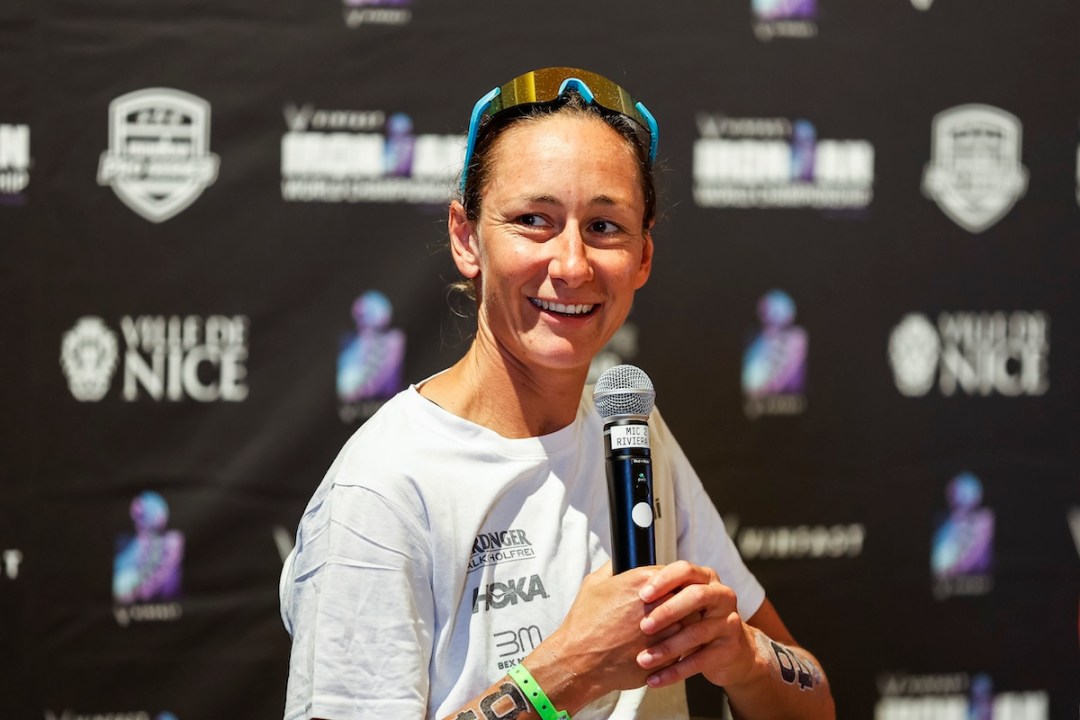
x: 495, y: 547
x: 498, y: 595
x: 513, y: 645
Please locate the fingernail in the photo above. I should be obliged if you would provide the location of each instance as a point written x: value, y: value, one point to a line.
x: 653, y: 680
x: 647, y: 593
x: 645, y: 658
x: 647, y: 625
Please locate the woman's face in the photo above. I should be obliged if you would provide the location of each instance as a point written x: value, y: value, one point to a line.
x: 558, y: 249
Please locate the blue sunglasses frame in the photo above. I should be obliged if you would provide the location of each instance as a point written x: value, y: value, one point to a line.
x: 483, y: 106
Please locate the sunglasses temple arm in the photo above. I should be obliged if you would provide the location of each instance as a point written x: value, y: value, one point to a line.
x: 474, y: 126
x: 654, y: 131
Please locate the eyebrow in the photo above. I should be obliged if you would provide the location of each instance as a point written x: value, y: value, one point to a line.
x: 551, y: 200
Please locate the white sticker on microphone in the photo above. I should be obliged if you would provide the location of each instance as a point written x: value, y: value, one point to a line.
x: 629, y: 436
x: 642, y: 514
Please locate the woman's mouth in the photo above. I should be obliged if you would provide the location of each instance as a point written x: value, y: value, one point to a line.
x: 571, y: 310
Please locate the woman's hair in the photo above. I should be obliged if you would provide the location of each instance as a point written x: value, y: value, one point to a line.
x: 493, y: 128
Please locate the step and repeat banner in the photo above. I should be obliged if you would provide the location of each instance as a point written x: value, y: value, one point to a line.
x: 222, y: 232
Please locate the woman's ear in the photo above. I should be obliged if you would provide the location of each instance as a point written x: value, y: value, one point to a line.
x: 464, y: 245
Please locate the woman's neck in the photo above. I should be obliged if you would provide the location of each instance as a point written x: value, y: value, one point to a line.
x: 491, y: 389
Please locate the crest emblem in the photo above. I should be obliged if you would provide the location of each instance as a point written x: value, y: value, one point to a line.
x: 159, y: 158
x: 88, y: 356
x: 974, y: 173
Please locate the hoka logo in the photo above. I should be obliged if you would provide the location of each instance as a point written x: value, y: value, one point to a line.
x: 499, y: 595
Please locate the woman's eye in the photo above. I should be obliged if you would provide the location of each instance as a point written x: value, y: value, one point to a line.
x: 531, y: 220
x: 604, y: 227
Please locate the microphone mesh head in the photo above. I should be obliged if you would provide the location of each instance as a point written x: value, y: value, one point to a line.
x: 624, y: 390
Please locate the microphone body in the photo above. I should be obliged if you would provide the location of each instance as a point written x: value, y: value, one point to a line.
x: 624, y: 398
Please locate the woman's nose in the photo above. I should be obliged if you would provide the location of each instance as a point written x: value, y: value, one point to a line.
x: 570, y: 262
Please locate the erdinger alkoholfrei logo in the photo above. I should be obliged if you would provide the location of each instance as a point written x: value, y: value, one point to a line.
x: 962, y: 551
x: 955, y: 696
x: 784, y: 18
x: 774, y: 364
x: 14, y: 163
x: 369, y: 366
x: 365, y: 156
x: 159, y: 158
x: 147, y: 568
x: 972, y: 353
x: 778, y: 163
x: 165, y: 358
x: 974, y: 173
x: 376, y: 12
x: 492, y: 548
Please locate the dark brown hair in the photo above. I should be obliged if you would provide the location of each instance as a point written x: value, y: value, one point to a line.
x: 493, y: 128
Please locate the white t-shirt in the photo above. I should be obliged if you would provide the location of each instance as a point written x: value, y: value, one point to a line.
x: 436, y: 553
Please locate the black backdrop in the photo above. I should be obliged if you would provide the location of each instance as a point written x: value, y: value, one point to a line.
x: 194, y: 195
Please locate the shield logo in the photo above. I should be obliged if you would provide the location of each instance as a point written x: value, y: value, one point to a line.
x: 159, y: 158
x: 974, y: 173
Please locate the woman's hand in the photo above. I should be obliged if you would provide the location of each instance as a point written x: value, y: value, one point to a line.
x: 710, y: 638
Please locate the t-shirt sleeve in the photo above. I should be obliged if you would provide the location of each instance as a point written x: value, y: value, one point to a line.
x: 702, y: 537
x: 361, y: 609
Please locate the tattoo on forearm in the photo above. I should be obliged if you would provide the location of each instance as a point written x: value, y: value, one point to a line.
x: 506, y: 703
x: 796, y: 669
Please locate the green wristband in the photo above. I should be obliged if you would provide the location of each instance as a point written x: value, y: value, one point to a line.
x: 544, y: 708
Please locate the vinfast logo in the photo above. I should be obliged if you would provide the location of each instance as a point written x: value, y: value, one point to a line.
x: 774, y: 364
x: 14, y: 163
x: 962, y: 551
x: 974, y: 173
x: 500, y: 547
x: 784, y: 18
x: 376, y: 12
x: 498, y: 595
x: 955, y: 696
x: 973, y: 353
x: 369, y: 365
x: 165, y: 358
x: 365, y: 156
x: 159, y: 160
x: 778, y: 163
x: 147, y: 568
x: 797, y: 542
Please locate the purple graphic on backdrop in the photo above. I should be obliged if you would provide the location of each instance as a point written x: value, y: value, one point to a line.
x: 147, y: 566
x: 400, y: 142
x: 369, y: 367
x: 774, y: 364
x: 962, y: 550
x: 785, y: 9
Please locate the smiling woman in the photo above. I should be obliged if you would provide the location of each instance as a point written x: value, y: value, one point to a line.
x: 401, y: 602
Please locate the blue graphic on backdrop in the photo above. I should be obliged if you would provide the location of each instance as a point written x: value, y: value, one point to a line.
x: 400, y: 143
x: 963, y: 546
x: 147, y: 566
x: 774, y: 365
x: 369, y: 367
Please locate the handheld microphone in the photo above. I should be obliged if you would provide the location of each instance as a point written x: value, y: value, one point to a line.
x: 624, y: 397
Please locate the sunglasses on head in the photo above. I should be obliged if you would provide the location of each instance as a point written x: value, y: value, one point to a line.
x: 551, y: 84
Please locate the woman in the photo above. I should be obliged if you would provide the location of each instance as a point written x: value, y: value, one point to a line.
x: 453, y: 563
